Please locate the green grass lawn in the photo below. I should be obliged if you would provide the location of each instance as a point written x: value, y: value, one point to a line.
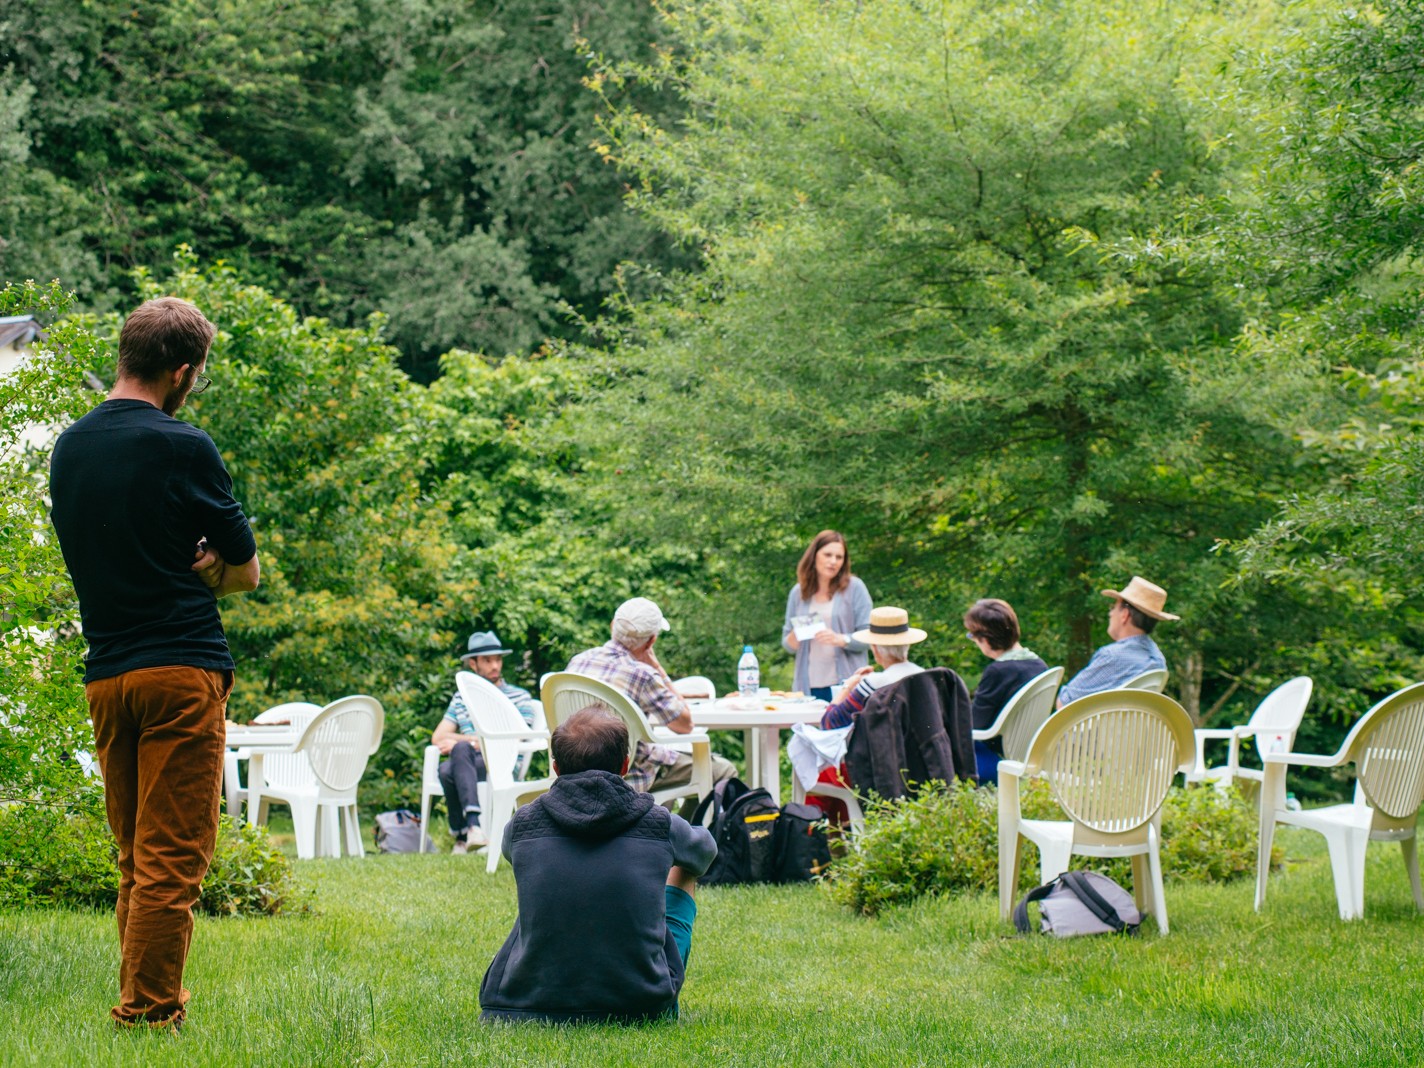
x: 386, y: 969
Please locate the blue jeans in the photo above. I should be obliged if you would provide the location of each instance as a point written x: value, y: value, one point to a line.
x: 822, y: 693
x: 986, y: 763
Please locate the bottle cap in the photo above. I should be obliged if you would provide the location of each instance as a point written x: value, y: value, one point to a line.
x: 746, y: 648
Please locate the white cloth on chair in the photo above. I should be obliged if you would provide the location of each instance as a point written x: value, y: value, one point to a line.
x: 812, y: 749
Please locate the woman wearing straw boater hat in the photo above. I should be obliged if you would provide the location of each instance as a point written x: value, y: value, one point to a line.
x: 889, y: 636
x: 1136, y: 609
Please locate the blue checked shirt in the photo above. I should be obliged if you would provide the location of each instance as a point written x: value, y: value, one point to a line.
x: 614, y: 664
x: 1112, y: 665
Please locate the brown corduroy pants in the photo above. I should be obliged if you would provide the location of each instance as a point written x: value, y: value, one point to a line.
x: 160, y: 739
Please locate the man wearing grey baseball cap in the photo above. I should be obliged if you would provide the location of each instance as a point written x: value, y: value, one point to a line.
x: 628, y: 663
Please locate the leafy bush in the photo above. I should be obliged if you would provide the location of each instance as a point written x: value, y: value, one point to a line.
x: 50, y: 856
x: 947, y: 840
x: 248, y: 876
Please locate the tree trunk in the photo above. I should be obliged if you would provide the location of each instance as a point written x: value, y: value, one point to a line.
x: 1189, y: 683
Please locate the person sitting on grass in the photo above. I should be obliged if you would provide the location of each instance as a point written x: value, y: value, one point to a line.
x: 605, y: 882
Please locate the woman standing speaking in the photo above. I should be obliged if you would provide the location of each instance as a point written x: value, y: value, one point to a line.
x: 825, y: 607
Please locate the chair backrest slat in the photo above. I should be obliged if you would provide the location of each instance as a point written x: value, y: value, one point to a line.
x: 1109, y: 758
x: 1027, y: 710
x: 491, y: 711
x: 565, y: 692
x: 339, y: 741
x: 1389, y: 756
x: 292, y: 769
x: 1153, y: 680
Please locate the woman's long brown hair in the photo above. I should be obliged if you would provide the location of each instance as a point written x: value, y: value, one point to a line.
x: 806, y: 569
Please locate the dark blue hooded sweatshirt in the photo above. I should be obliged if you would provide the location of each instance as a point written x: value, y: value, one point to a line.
x: 591, y: 858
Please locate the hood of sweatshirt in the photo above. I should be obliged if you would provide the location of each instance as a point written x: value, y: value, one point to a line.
x: 594, y: 804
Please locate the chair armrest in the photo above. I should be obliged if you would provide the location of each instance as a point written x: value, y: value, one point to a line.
x: 663, y: 736
x: 431, y: 765
x: 984, y: 735
x: 1305, y: 760
x: 523, y: 734
x: 1014, y: 769
x: 1215, y: 732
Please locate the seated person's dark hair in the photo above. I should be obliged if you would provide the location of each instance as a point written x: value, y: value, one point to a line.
x: 994, y: 621
x: 592, y: 739
x: 1140, y: 619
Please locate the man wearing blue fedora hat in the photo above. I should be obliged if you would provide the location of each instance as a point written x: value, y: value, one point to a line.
x: 463, y: 768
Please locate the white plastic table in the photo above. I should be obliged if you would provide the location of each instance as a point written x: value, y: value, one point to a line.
x: 762, y: 720
x: 253, y: 742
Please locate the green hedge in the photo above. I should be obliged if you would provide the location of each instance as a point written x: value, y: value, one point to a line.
x: 947, y: 841
x: 53, y: 857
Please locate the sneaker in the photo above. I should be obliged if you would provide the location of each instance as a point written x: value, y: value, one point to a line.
x: 460, y: 847
x: 475, y: 838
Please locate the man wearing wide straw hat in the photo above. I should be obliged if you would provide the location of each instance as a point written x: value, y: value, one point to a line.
x: 889, y: 637
x: 1135, y: 611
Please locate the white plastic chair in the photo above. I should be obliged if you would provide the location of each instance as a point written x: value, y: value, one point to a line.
x: 504, y: 737
x: 1273, y: 726
x: 855, y: 816
x: 1026, y: 711
x: 431, y: 788
x: 1109, y: 759
x: 1154, y: 680
x: 232, y: 777
x: 1387, y: 748
x: 318, y: 779
x: 566, y: 692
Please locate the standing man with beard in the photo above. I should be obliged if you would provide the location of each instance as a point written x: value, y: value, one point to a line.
x: 152, y: 537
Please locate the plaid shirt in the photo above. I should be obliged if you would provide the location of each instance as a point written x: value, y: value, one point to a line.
x: 614, y: 664
x: 1114, y: 664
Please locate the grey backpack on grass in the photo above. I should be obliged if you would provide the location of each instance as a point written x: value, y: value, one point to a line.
x: 400, y: 832
x: 1080, y: 903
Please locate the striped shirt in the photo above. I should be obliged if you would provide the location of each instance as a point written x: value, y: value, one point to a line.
x: 841, y: 714
x: 614, y: 664
x: 458, y: 714
x: 1112, y: 665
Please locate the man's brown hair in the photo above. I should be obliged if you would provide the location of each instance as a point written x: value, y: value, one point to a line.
x: 592, y: 739
x: 160, y: 336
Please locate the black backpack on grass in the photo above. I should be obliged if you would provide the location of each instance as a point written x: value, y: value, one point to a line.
x: 758, y: 842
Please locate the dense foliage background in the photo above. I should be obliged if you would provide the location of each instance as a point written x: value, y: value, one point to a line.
x: 529, y: 307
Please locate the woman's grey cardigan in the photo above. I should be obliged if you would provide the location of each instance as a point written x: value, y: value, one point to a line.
x: 850, y: 612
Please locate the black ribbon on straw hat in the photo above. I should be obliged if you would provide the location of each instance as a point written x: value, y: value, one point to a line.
x: 889, y: 626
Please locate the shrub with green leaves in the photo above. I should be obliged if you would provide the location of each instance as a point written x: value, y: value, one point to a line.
x: 52, y: 855
x: 946, y: 840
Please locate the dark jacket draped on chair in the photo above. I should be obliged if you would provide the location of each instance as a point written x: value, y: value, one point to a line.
x: 911, y: 732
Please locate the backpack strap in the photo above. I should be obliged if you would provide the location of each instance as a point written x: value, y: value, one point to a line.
x: 1084, y: 891
x: 1021, y: 923
x: 713, y: 800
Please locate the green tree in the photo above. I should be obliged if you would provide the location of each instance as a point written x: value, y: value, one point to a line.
x: 913, y: 327
x: 430, y: 160
x: 43, y: 717
x: 1333, y: 231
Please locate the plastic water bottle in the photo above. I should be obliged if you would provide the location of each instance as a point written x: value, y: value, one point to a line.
x: 748, y: 673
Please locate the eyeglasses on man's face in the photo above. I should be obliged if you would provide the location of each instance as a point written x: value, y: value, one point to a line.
x: 200, y: 383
